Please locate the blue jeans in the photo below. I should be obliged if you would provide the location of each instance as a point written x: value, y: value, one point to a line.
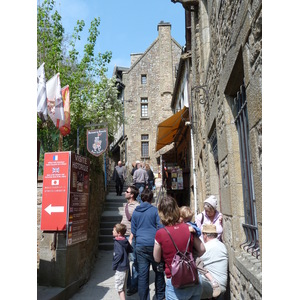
x: 150, y: 184
x: 132, y: 279
x: 145, y: 258
x: 188, y: 293
x: 140, y: 187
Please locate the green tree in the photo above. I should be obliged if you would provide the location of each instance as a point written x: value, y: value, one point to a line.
x: 93, y: 96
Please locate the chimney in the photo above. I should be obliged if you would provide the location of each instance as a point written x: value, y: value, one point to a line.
x: 165, y: 57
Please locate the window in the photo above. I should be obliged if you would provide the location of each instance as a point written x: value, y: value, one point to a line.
x: 143, y: 79
x: 144, y: 107
x: 145, y: 145
x: 241, y: 121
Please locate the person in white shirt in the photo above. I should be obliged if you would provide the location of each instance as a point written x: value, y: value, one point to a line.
x: 215, y: 260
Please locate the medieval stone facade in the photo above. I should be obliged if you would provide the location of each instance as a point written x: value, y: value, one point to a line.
x: 226, y: 105
x: 149, y: 83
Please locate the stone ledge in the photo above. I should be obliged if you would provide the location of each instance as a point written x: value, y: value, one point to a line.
x: 251, y: 269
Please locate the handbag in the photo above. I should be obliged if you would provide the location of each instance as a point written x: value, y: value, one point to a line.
x: 183, y: 268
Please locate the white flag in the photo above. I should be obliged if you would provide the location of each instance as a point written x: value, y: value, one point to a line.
x: 41, y: 93
x: 54, y: 100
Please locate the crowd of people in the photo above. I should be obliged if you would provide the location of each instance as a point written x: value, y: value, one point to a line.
x: 145, y: 237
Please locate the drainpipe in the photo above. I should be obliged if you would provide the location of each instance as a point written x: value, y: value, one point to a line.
x: 190, y: 94
x: 194, y: 166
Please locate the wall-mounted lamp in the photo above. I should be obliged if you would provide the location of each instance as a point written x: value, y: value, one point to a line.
x: 197, y: 88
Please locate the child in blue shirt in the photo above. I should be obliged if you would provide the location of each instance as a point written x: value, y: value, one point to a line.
x: 120, y: 261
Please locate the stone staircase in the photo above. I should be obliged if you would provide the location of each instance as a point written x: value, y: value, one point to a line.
x: 112, y: 214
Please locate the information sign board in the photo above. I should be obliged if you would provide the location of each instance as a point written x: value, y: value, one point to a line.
x: 55, y: 191
x: 79, y: 198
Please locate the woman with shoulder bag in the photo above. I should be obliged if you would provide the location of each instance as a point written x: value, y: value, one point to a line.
x: 164, y: 248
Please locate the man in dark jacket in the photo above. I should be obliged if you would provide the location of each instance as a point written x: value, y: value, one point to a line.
x: 119, y: 177
x: 120, y: 261
x: 144, y: 224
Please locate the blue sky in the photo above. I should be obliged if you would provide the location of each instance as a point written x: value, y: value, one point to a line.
x: 126, y: 26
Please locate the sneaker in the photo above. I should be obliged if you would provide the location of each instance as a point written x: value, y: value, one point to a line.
x: 216, y: 289
x: 131, y: 292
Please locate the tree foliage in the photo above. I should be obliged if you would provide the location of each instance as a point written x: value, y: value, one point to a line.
x: 93, y: 96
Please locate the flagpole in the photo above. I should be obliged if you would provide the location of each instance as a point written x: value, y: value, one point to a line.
x: 60, y: 142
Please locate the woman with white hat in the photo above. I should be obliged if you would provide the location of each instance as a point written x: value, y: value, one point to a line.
x: 211, y: 215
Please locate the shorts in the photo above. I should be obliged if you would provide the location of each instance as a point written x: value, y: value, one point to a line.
x: 120, y: 280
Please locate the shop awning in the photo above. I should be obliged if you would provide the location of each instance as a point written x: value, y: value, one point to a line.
x: 167, y: 130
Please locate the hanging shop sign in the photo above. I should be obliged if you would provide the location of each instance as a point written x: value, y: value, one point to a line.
x: 97, y: 141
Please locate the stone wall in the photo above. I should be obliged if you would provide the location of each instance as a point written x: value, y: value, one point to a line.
x: 226, y: 51
x: 70, y: 266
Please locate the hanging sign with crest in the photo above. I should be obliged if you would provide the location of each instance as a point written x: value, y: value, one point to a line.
x: 97, y: 141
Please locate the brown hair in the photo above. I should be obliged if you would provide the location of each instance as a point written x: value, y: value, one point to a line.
x: 147, y: 195
x: 168, y: 211
x: 120, y: 228
x: 186, y: 213
x: 134, y: 191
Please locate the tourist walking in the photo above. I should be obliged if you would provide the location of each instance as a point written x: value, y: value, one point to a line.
x: 120, y: 258
x: 164, y: 249
x: 132, y: 280
x: 151, y: 178
x: 140, y: 180
x: 144, y: 224
x: 119, y: 176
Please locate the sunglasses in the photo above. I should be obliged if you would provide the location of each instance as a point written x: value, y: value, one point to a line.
x: 127, y: 192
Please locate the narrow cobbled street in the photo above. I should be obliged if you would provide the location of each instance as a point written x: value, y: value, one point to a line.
x: 101, y: 283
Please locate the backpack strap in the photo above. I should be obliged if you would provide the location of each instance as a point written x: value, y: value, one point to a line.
x: 128, y: 216
x: 202, y: 220
x: 187, y: 245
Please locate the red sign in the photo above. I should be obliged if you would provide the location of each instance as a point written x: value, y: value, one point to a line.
x: 55, y: 191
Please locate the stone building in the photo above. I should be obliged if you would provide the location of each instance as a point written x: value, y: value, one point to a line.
x: 146, y: 92
x: 224, y: 53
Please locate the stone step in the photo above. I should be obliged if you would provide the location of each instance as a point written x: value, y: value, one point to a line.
x: 107, y: 224
x: 107, y: 230
x: 104, y: 238
x: 110, y: 204
x: 111, y: 216
x: 113, y: 211
x: 106, y: 246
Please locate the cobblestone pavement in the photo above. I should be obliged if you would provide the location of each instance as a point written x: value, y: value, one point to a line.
x: 101, y: 283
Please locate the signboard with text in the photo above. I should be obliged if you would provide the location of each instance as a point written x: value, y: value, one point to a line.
x: 97, y: 141
x: 79, y: 198
x: 55, y: 191
x: 66, y: 195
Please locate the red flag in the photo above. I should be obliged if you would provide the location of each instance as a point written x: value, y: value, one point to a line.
x: 65, y: 127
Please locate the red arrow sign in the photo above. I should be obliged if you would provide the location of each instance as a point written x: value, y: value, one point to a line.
x: 55, y: 191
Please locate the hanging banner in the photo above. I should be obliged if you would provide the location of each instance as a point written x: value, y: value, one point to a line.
x: 97, y: 141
